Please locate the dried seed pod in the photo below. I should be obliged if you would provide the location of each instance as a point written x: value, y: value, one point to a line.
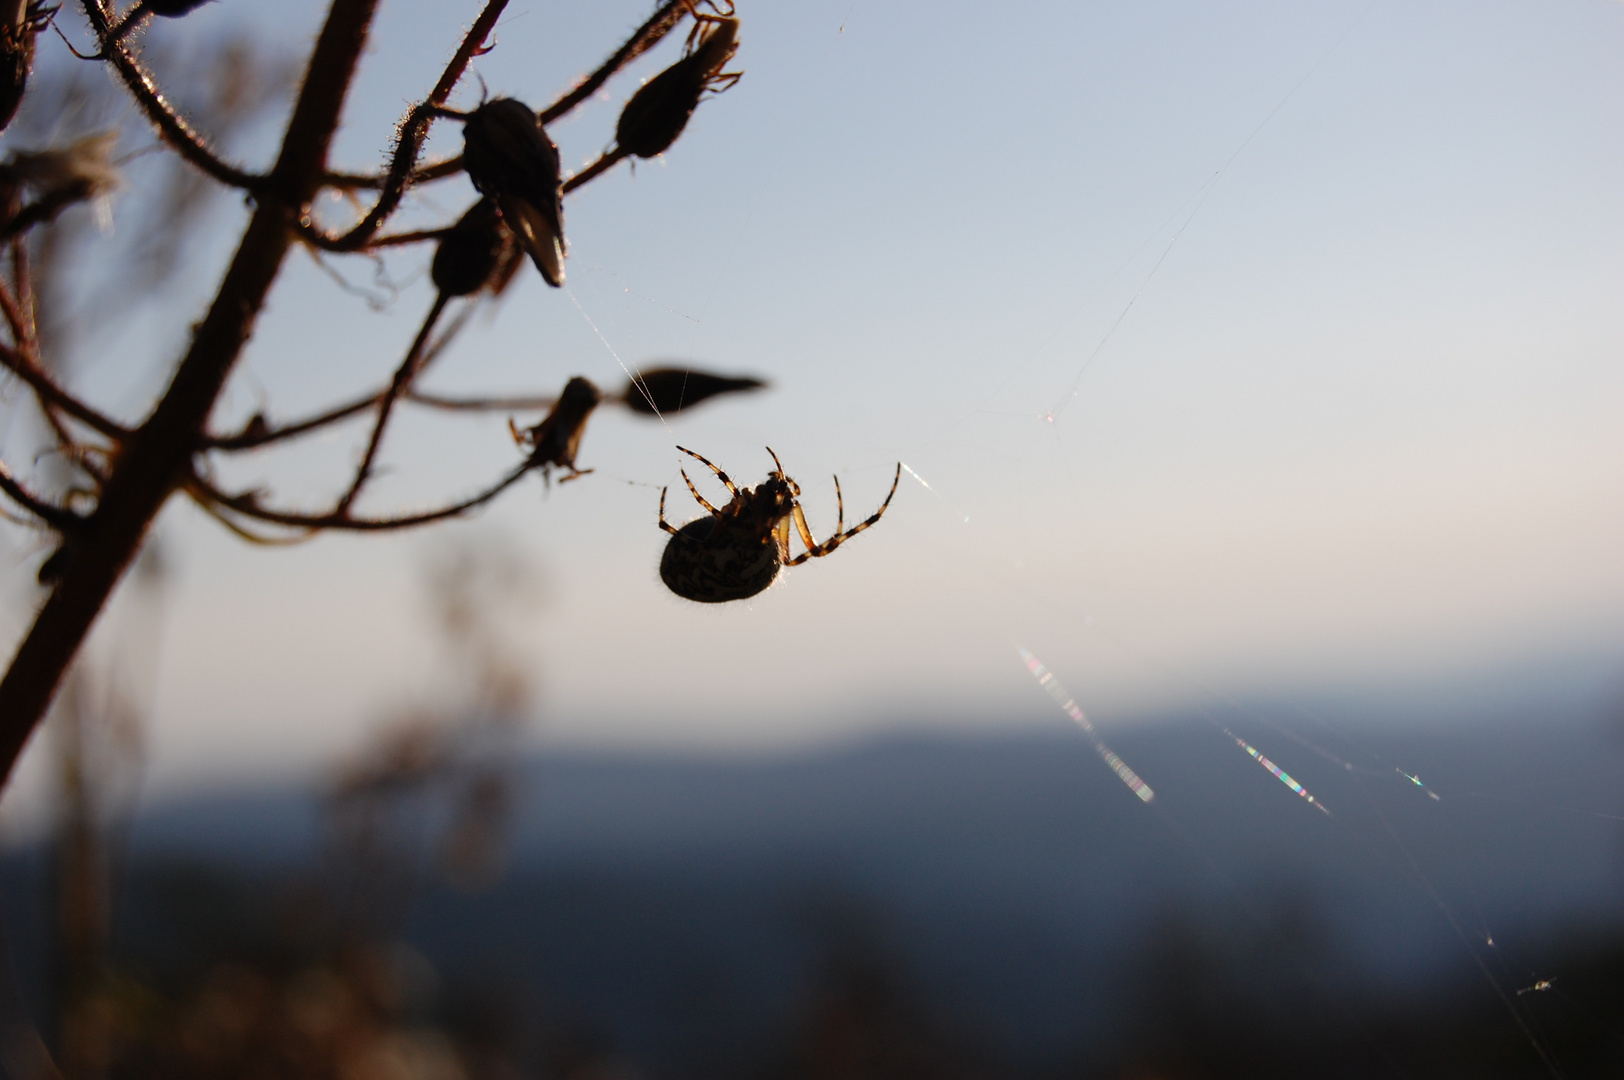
x: 556, y: 439
x: 669, y: 390
x: 511, y: 160
x: 174, y: 9
x: 657, y: 113
x: 20, y: 23
x: 469, y: 254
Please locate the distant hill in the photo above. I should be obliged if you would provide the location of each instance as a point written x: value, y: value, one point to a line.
x: 1009, y: 887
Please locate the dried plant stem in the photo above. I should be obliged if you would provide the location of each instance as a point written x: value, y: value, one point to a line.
x: 157, y: 459
x: 408, y: 370
x: 248, y: 506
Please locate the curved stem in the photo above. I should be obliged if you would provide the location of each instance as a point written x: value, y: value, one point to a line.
x: 251, y: 438
x: 488, y: 404
x: 157, y: 459
x: 59, y: 518
x: 409, y: 367
x: 248, y: 506
x: 648, y: 35
x: 171, y: 125
x: 52, y: 395
x: 413, y: 130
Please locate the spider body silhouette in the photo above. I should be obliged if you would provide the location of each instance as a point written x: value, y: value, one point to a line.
x: 736, y: 551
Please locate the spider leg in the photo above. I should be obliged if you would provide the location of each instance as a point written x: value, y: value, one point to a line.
x: 732, y: 488
x: 695, y: 493
x: 812, y: 546
x: 840, y: 508
x: 664, y: 524
x: 781, y: 538
x: 841, y: 537
x: 793, y: 486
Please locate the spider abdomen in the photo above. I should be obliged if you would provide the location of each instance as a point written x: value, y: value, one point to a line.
x: 713, y: 559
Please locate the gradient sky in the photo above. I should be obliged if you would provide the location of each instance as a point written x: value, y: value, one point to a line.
x: 1257, y: 346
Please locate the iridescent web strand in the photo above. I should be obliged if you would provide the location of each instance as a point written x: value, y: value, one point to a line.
x: 1069, y: 706
x: 1279, y: 773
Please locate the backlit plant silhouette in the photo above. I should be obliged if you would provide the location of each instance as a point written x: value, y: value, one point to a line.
x: 124, y: 470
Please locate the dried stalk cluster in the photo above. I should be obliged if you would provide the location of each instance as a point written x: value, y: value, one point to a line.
x: 128, y: 468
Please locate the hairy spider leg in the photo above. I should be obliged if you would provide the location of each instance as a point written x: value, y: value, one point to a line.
x: 732, y: 488
x: 664, y: 524
x: 840, y: 508
x: 793, y: 486
x: 841, y: 537
x: 781, y: 534
x: 798, y: 516
x: 695, y: 493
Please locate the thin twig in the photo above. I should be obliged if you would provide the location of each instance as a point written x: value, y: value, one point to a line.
x: 609, y: 160
x: 150, y: 466
x: 413, y: 130
x: 59, y: 518
x: 248, y: 506
x: 487, y: 404
x: 647, y: 36
x: 434, y: 170
x: 252, y: 436
x: 44, y: 209
x: 409, y: 367
x: 52, y: 395
x: 170, y: 124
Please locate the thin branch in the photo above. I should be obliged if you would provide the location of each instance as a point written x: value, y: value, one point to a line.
x: 408, y: 370
x: 401, y: 239
x: 434, y: 170
x: 170, y: 124
x: 248, y: 506
x: 487, y: 404
x: 310, y: 234
x: 647, y: 36
x: 609, y: 160
x: 413, y: 130
x: 149, y: 467
x: 44, y: 209
x: 258, y: 434
x: 52, y: 395
x: 59, y: 518
x: 255, y: 435
x: 203, y: 502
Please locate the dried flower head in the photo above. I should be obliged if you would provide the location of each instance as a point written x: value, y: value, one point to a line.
x: 657, y: 114
x: 511, y: 160
x: 470, y: 252
x: 556, y: 439
x: 669, y: 390
x: 84, y: 166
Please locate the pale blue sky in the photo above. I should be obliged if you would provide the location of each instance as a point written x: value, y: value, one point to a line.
x: 1359, y: 426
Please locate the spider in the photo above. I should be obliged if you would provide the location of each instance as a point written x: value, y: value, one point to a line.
x: 737, y: 551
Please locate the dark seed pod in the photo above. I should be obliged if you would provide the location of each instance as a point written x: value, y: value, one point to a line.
x: 669, y: 390
x: 174, y: 9
x: 657, y: 114
x: 469, y: 254
x: 556, y: 439
x: 511, y: 160
x: 20, y: 23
